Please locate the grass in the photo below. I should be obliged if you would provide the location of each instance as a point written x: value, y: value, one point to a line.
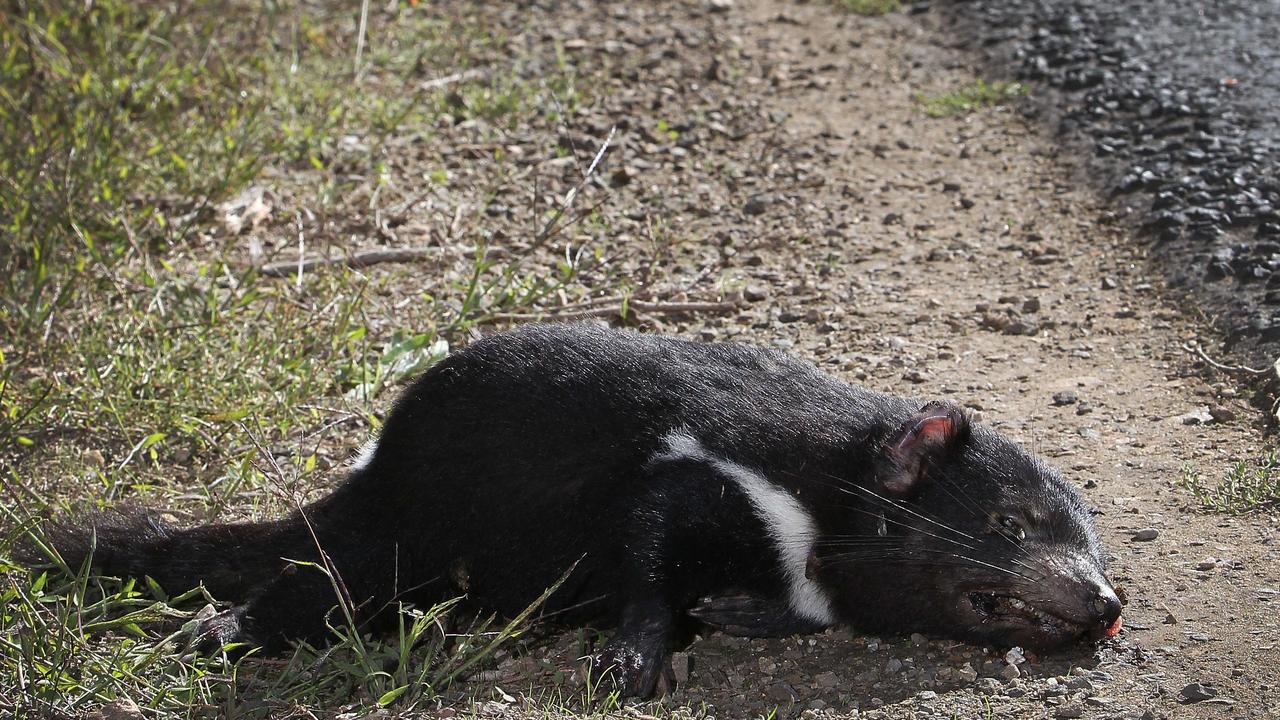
x: 1249, y: 486
x: 126, y: 316
x: 143, y: 355
x: 115, y: 146
x: 970, y: 98
x: 869, y: 7
x: 70, y: 666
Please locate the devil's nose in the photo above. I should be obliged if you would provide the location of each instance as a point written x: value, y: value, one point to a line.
x: 1105, y: 606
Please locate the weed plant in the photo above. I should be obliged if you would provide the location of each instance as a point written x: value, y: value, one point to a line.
x: 869, y: 7
x: 1248, y: 486
x: 971, y: 98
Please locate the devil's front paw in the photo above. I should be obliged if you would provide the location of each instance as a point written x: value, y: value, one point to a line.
x: 632, y: 669
x: 211, y: 631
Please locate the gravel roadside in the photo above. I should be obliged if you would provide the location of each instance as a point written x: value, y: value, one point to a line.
x: 1171, y: 107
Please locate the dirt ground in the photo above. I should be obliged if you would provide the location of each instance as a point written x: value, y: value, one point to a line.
x: 941, y: 258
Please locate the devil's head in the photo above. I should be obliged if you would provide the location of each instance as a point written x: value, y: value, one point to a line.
x: 962, y: 533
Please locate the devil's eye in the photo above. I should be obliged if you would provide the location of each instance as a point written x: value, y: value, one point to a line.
x: 1012, y: 528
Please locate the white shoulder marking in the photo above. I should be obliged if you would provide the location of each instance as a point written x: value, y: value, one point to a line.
x: 790, y: 525
x: 365, y: 456
x: 793, y: 533
x: 681, y: 446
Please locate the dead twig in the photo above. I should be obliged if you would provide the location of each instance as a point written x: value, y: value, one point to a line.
x: 550, y: 229
x: 1195, y: 349
x: 364, y: 259
x: 360, y: 35
x: 447, y: 80
x: 591, y: 303
x: 302, y: 250
x: 615, y: 300
x: 653, y: 308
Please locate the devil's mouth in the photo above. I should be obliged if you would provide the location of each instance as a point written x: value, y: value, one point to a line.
x: 994, y: 607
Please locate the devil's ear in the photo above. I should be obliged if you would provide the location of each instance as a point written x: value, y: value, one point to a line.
x: 929, y: 437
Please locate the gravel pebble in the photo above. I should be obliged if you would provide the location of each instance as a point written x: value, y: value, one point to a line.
x: 680, y: 667
x: 1201, y: 416
x: 1222, y: 414
x: 826, y: 680
x: 1079, y: 683
x: 1066, y: 397
x: 756, y: 292
x: 758, y: 204
x: 121, y: 710
x: 1197, y: 692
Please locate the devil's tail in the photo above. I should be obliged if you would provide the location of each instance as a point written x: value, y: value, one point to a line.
x: 230, y: 559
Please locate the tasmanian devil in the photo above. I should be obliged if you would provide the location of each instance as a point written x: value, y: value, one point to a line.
x: 669, y: 484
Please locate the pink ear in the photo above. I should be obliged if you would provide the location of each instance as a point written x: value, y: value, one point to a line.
x: 932, y: 429
x: 929, y: 437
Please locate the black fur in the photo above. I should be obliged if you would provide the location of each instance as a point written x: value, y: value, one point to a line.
x: 527, y: 452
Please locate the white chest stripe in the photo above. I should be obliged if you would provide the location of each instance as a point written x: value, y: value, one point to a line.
x: 789, y: 524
